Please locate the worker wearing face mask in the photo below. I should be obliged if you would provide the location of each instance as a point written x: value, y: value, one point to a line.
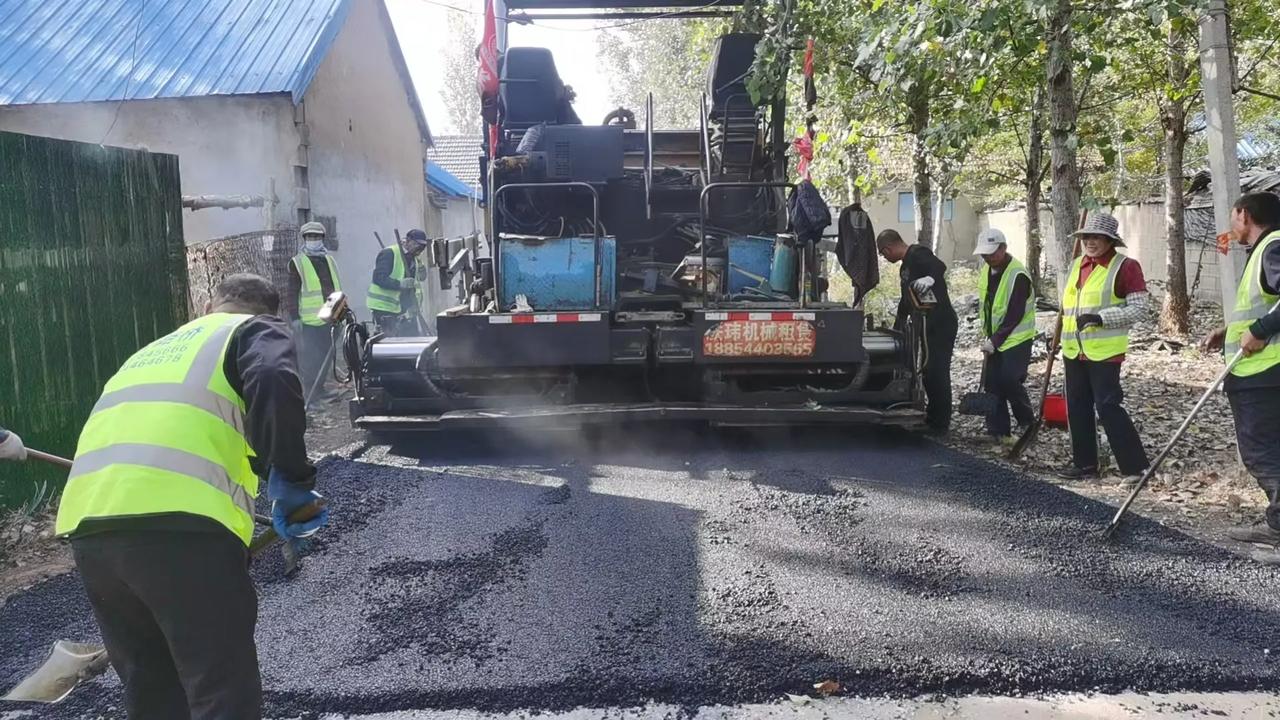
x: 313, y: 276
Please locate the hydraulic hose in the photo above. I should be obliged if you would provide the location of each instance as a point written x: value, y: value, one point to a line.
x: 353, y: 339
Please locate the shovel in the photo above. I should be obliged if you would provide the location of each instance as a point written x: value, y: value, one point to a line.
x: 69, y: 663
x: 1109, y: 531
x: 979, y: 403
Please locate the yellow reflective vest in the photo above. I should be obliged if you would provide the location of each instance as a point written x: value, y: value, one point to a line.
x: 167, y: 436
x: 1252, y: 302
x: 311, y: 296
x: 1098, y: 293
x: 385, y: 300
x: 1026, y: 329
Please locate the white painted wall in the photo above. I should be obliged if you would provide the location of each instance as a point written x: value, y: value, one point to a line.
x: 365, y: 157
x: 958, y: 234
x: 225, y: 146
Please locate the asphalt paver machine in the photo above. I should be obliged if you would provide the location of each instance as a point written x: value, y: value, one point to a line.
x: 633, y: 273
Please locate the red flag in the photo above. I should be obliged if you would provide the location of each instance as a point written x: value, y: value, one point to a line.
x: 487, y: 54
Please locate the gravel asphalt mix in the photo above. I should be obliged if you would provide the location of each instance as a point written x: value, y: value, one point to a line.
x: 666, y: 565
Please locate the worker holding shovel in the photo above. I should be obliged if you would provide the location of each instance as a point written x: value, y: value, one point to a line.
x: 1253, y: 385
x: 159, y: 506
x: 1007, y: 315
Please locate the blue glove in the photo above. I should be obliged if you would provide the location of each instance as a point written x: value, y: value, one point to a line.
x: 287, y: 497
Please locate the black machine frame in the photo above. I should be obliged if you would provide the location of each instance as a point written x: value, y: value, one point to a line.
x: 496, y: 367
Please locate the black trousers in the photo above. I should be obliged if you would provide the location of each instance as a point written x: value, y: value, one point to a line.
x: 1257, y: 416
x: 1006, y: 377
x: 941, y: 342
x: 1093, y: 393
x: 313, y: 348
x: 177, y: 612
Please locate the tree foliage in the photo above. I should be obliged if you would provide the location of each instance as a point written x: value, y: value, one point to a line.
x: 461, y: 99
x: 665, y: 57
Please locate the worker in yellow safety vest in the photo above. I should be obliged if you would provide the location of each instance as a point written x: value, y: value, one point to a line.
x: 1253, y: 386
x: 1007, y: 319
x: 395, y: 294
x: 159, y: 506
x: 1105, y: 295
x: 313, y: 276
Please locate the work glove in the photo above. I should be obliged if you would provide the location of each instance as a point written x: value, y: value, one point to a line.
x: 409, y: 283
x: 11, y: 447
x: 922, y: 285
x: 286, y: 497
x: 1089, y: 320
x: 987, y: 348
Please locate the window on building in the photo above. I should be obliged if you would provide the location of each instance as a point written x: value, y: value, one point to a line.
x: 907, y: 208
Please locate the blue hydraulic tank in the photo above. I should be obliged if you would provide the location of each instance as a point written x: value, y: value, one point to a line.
x: 749, y: 260
x: 556, y: 273
x: 782, y: 276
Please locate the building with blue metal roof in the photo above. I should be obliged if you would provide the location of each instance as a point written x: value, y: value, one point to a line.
x: 296, y: 110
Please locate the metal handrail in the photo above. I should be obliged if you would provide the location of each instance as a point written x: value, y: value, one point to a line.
x: 705, y: 165
x: 648, y: 157
x: 595, y: 229
x: 702, y: 224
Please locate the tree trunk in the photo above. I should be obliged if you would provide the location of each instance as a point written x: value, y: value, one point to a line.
x: 1064, y: 193
x: 939, y: 216
x: 919, y: 119
x: 1031, y: 182
x: 1175, y: 313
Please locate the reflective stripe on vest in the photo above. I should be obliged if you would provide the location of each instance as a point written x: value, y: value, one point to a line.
x: 1098, y: 293
x: 167, y: 436
x: 311, y: 295
x: 384, y: 300
x: 1026, y: 329
x: 1252, y: 303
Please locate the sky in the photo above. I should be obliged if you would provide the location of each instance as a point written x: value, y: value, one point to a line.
x: 419, y: 25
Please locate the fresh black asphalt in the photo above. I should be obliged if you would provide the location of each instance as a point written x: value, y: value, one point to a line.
x: 666, y: 564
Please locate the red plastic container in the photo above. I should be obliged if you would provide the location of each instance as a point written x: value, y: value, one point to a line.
x: 1055, y: 410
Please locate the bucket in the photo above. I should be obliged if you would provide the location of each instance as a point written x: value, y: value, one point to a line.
x: 1055, y: 410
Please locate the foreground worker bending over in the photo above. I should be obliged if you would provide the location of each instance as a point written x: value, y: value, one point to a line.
x: 1007, y: 316
x: 160, y: 503
x: 1105, y: 295
x: 1253, y: 387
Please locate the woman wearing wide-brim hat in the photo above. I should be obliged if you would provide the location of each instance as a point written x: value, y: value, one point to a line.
x: 1105, y: 295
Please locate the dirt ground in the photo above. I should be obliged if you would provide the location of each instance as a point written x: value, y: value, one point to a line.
x: 1201, y: 489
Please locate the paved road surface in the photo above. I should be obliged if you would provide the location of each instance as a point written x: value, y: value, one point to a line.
x: 693, y: 569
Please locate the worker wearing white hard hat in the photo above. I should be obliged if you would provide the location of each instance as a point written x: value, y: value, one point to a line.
x: 1007, y: 324
x: 313, y: 276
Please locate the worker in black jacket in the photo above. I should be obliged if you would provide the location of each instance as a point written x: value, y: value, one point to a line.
x: 924, y: 274
x: 1253, y: 386
x: 159, y: 504
x: 396, y: 292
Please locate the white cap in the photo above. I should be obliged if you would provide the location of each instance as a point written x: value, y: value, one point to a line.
x: 989, y: 241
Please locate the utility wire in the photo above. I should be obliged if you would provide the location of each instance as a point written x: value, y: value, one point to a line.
x: 133, y: 66
x: 526, y: 20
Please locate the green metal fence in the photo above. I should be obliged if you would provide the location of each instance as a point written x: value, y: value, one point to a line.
x: 92, y: 267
